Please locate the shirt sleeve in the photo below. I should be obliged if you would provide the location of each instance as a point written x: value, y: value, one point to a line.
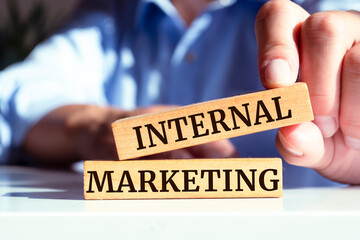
x: 328, y: 5
x: 71, y: 67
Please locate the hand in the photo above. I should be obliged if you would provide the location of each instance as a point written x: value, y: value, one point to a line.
x: 323, y: 50
x: 78, y: 132
x: 95, y: 138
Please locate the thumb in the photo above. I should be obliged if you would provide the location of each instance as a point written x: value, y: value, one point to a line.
x: 277, y: 28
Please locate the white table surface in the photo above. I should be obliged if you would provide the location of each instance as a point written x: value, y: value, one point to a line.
x: 48, y: 204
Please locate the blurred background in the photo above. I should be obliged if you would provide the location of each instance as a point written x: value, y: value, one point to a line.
x: 24, y: 23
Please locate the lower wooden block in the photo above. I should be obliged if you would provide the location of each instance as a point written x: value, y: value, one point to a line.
x: 185, y: 178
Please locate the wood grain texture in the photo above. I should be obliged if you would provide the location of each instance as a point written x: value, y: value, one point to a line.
x: 186, y: 178
x: 210, y: 121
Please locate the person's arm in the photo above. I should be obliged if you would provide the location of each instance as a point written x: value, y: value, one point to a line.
x: 56, y: 106
x: 73, y: 132
x: 323, y: 50
x: 77, y: 132
x: 69, y: 68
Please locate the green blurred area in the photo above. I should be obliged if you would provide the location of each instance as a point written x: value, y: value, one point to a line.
x: 23, y: 24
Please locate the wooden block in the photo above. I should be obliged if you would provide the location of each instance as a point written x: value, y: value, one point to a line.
x: 186, y: 178
x: 210, y: 121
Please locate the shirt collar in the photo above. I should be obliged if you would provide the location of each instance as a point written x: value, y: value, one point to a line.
x: 147, y: 7
x: 168, y: 7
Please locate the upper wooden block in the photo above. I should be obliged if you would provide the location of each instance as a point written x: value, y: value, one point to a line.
x: 210, y: 121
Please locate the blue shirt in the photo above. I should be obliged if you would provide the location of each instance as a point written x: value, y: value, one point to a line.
x: 140, y: 55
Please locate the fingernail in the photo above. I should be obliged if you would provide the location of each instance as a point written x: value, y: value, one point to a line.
x: 353, y: 143
x: 278, y: 73
x: 327, y: 125
x: 289, y: 147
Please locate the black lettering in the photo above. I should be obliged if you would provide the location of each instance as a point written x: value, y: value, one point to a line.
x: 195, y: 125
x: 245, y: 120
x: 278, y: 110
x: 152, y: 129
x: 178, y: 127
x: 260, y: 104
x: 150, y: 181
x: 274, y: 181
x: 100, y: 186
x: 139, y: 139
x: 210, y: 179
x: 242, y: 175
x: 214, y: 122
x: 165, y: 181
x: 227, y: 180
x: 188, y: 180
x: 130, y: 184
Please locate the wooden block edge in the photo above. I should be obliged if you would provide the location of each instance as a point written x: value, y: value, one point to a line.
x: 277, y: 194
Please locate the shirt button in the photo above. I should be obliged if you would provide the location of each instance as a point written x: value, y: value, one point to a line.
x: 189, y: 57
